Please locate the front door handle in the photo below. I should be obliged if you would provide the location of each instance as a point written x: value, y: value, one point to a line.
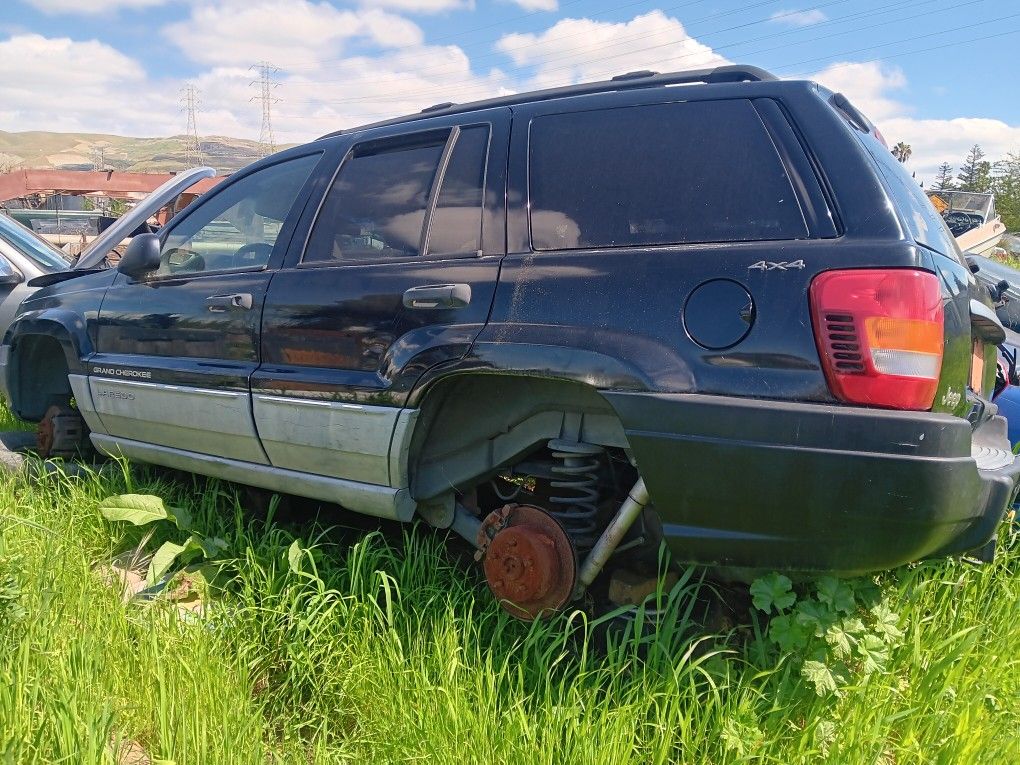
x: 239, y: 301
x: 438, y: 296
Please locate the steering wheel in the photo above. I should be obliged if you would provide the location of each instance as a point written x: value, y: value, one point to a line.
x: 191, y: 261
x: 961, y: 222
x: 253, y: 253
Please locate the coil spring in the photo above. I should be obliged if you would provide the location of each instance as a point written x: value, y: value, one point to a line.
x: 575, y: 468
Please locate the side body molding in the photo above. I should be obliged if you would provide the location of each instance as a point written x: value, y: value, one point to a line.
x: 369, y: 499
x: 386, y: 463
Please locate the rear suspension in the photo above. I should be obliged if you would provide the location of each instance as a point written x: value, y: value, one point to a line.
x: 574, y: 499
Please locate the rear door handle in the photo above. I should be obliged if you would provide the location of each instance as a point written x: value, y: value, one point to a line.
x: 240, y: 301
x: 438, y: 296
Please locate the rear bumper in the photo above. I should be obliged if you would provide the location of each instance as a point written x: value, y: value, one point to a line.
x: 812, y: 487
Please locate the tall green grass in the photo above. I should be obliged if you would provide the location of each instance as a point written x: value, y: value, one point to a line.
x: 376, y: 650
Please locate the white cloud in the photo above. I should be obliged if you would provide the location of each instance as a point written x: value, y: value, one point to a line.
x: 933, y: 141
x: 285, y: 32
x: 867, y: 85
x: 937, y: 141
x: 341, y: 68
x: 798, y: 18
x: 537, y: 5
x: 90, y: 7
x: 575, y: 50
x: 60, y: 84
x: 420, y: 6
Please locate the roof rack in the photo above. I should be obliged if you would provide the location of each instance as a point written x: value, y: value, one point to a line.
x: 628, y: 81
x: 438, y: 107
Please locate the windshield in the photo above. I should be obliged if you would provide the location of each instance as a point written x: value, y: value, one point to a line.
x: 37, y: 249
x: 963, y: 201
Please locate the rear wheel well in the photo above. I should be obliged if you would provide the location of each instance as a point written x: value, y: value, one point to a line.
x: 38, y: 376
x: 471, y: 426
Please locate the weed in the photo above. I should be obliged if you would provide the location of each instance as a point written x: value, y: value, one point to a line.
x: 332, y: 645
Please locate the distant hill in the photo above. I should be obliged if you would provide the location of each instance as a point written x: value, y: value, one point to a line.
x: 79, y: 151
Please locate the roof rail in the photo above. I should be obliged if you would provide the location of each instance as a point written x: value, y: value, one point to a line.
x: 628, y: 81
x: 438, y: 107
x: 733, y: 73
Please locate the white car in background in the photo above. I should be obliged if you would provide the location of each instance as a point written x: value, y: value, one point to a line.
x: 24, y: 255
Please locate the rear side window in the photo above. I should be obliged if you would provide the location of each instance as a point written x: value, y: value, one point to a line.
x: 703, y: 171
x: 917, y: 212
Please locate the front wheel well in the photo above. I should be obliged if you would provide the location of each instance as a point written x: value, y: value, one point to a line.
x: 38, y: 376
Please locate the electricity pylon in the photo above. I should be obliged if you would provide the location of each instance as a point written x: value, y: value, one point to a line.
x: 190, y: 105
x: 266, y: 83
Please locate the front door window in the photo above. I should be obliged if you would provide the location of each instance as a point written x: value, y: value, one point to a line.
x: 237, y: 228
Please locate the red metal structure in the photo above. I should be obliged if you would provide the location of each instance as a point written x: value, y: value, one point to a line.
x: 111, y: 183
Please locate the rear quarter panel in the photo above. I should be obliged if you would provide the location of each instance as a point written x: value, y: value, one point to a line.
x: 624, y: 306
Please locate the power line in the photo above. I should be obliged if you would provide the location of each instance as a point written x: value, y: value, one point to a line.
x: 952, y: 43
x: 438, y: 93
x: 267, y: 83
x: 190, y: 105
x: 465, y: 32
x: 566, y: 52
x: 901, y: 41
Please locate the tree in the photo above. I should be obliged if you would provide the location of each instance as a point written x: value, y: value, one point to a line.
x: 944, y: 177
x: 902, y: 151
x: 975, y: 174
x: 1006, y: 186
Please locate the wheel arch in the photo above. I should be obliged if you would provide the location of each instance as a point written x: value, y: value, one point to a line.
x: 470, y: 424
x: 45, y: 349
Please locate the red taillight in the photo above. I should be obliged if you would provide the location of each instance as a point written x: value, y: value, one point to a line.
x: 879, y: 335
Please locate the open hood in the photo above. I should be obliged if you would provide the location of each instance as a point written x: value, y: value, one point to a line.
x: 100, y: 247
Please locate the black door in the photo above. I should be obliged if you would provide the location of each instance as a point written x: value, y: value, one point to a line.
x: 175, y: 349
x: 397, y: 275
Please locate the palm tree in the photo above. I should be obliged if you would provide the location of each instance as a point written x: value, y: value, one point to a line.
x: 902, y: 151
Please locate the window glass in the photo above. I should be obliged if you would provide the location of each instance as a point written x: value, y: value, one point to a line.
x: 6, y: 269
x: 376, y: 206
x: 457, y: 221
x: 31, y: 244
x: 237, y: 227
x: 701, y: 171
x: 916, y: 210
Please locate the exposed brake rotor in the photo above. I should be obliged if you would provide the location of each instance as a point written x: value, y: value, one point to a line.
x: 60, y: 433
x: 529, y: 561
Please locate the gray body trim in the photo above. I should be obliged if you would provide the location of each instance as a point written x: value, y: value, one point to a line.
x: 331, y: 438
x: 400, y: 448
x: 378, y: 501
x: 83, y: 398
x: 193, y: 419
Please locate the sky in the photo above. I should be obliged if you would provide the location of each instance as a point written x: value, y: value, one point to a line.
x: 940, y: 75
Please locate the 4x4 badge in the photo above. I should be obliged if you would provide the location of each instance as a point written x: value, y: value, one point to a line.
x: 768, y: 265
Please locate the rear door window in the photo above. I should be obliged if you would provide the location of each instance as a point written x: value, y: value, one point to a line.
x: 678, y: 173
x: 378, y: 206
x: 457, y: 221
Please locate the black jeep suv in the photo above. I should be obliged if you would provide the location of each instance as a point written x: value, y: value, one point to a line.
x: 705, y: 308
